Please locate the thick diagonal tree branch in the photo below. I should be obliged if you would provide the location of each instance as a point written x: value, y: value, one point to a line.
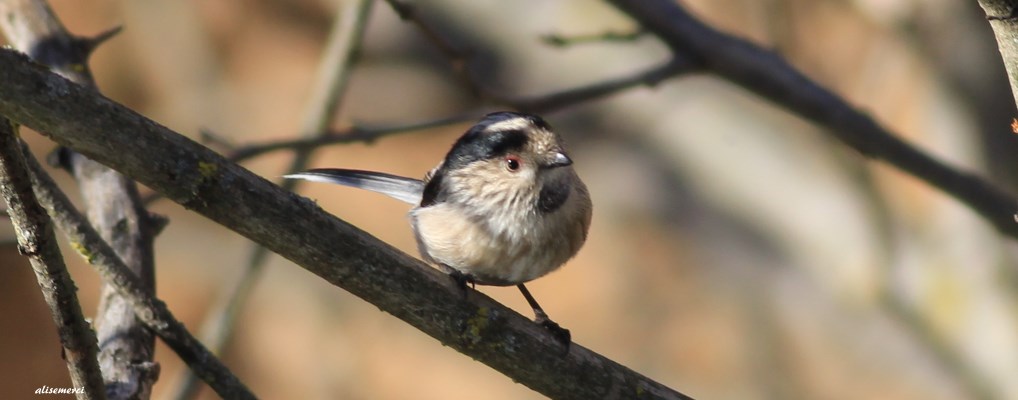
x: 767, y: 74
x: 113, y: 204
x: 37, y: 242
x: 296, y: 228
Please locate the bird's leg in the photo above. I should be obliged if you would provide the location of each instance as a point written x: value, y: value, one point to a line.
x: 560, y: 333
x: 461, y: 279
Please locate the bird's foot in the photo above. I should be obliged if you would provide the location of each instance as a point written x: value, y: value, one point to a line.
x: 559, y: 333
x: 462, y: 280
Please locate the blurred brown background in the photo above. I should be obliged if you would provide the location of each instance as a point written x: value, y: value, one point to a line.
x: 737, y: 252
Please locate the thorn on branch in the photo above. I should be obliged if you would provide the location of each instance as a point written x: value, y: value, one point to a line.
x: 71, y: 52
x: 89, y: 44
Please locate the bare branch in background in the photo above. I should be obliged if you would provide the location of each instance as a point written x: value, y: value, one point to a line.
x: 555, y: 101
x: 112, y: 201
x: 296, y: 228
x: 765, y: 73
x: 353, y: 134
x: 768, y: 75
x: 460, y: 58
x: 559, y: 40
x: 37, y: 242
x: 537, y: 104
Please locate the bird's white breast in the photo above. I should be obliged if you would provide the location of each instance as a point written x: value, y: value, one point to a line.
x: 498, y: 246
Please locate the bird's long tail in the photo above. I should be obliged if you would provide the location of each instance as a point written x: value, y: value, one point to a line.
x: 400, y: 188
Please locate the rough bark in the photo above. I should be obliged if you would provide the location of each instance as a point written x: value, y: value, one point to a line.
x: 37, y: 242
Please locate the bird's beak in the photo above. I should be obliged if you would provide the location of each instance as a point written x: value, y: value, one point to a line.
x: 560, y: 159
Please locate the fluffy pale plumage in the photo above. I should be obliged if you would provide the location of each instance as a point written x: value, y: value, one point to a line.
x: 494, y: 231
x: 475, y: 216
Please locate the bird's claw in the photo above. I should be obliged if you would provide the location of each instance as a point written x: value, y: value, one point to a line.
x: 559, y: 333
x: 462, y: 280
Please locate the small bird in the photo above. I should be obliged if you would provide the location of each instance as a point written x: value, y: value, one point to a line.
x: 505, y: 206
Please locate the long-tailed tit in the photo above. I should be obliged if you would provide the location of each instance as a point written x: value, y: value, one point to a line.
x: 505, y: 206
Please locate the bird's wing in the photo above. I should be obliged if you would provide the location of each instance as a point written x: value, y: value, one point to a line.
x: 431, y: 174
x: 408, y: 190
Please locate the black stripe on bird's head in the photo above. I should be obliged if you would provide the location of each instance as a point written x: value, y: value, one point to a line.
x: 501, y: 133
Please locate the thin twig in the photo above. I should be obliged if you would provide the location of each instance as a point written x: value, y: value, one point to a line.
x: 327, y: 91
x: 558, y: 100
x: 559, y: 40
x: 296, y: 228
x: 37, y: 242
x: 354, y: 134
x: 149, y: 309
x: 114, y: 207
x: 765, y: 73
x: 210, y: 138
x: 458, y: 58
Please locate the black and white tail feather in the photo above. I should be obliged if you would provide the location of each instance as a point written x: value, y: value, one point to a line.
x: 408, y: 190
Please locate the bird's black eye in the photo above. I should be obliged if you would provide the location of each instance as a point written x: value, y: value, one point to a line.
x: 512, y: 163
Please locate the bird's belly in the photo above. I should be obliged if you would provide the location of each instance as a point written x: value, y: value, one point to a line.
x: 445, y: 237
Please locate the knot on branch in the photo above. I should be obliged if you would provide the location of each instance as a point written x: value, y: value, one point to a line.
x: 1011, y: 16
x: 28, y: 249
x: 207, y: 175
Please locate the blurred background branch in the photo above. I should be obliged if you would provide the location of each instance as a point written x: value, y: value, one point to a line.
x: 354, y: 134
x: 555, y: 39
x: 768, y: 75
